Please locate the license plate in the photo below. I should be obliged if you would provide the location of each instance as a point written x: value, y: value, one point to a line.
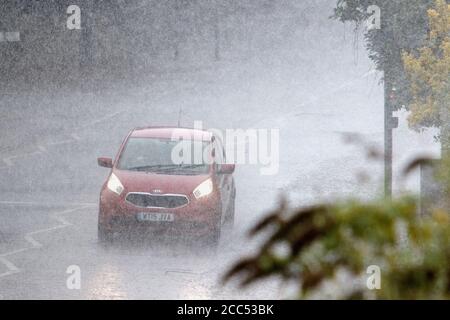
x: 155, y: 217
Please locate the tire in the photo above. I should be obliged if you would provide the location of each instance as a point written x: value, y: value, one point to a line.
x: 105, y: 236
x: 214, y: 238
x: 208, y: 243
x: 229, y: 222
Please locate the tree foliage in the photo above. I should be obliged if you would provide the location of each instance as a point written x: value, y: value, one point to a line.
x: 403, y: 27
x: 310, y: 246
x: 428, y: 69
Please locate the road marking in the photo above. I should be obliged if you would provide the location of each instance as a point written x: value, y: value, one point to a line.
x: 110, y: 116
x: 49, y: 204
x: 8, y: 162
x: 316, y: 99
x: 13, y: 36
x: 24, y: 155
x: 10, y: 253
x: 57, y: 143
x: 40, y: 150
x: 63, y: 220
x: 43, y: 148
x: 12, y: 268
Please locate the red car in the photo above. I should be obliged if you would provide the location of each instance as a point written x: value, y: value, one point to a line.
x: 146, y: 191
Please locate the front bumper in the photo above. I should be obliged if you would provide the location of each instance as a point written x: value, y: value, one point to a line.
x: 198, y: 217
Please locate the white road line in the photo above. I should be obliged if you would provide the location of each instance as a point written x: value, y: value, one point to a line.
x: 8, y: 162
x: 57, y: 143
x: 49, y: 204
x: 9, y: 36
x: 43, y: 148
x: 34, y: 243
x: 13, y: 269
x: 40, y: 150
x: 344, y: 85
x: 9, y: 265
x: 10, y: 253
x: 24, y: 155
x: 102, y: 119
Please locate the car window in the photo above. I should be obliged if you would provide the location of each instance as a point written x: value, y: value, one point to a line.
x: 155, y: 155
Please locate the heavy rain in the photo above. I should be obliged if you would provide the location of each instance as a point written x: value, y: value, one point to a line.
x: 293, y: 83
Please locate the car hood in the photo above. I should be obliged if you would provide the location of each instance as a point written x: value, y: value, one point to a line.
x: 159, y: 183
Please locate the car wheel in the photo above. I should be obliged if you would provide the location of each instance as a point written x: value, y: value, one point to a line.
x: 208, y: 242
x: 214, y: 238
x: 229, y: 222
x: 105, y: 236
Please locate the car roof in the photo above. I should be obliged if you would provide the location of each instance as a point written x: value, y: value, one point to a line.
x: 171, y: 132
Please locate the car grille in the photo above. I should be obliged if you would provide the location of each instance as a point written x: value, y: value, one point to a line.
x: 146, y: 200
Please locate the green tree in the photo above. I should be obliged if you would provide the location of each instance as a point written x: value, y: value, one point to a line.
x: 311, y: 246
x: 428, y: 69
x: 403, y: 27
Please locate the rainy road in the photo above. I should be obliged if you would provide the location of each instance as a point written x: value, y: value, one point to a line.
x: 50, y: 181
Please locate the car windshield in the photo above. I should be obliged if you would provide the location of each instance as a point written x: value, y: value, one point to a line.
x: 164, y: 156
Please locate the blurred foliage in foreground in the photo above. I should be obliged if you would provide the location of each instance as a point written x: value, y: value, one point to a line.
x: 310, y: 246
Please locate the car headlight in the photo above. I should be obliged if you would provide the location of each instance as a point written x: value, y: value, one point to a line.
x: 205, y: 188
x: 115, y: 185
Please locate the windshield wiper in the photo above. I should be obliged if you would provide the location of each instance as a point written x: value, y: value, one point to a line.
x: 191, y: 166
x: 184, y: 169
x: 166, y: 168
x: 150, y: 168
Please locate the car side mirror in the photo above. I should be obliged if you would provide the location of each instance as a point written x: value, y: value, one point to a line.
x: 226, y: 169
x: 105, y: 162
